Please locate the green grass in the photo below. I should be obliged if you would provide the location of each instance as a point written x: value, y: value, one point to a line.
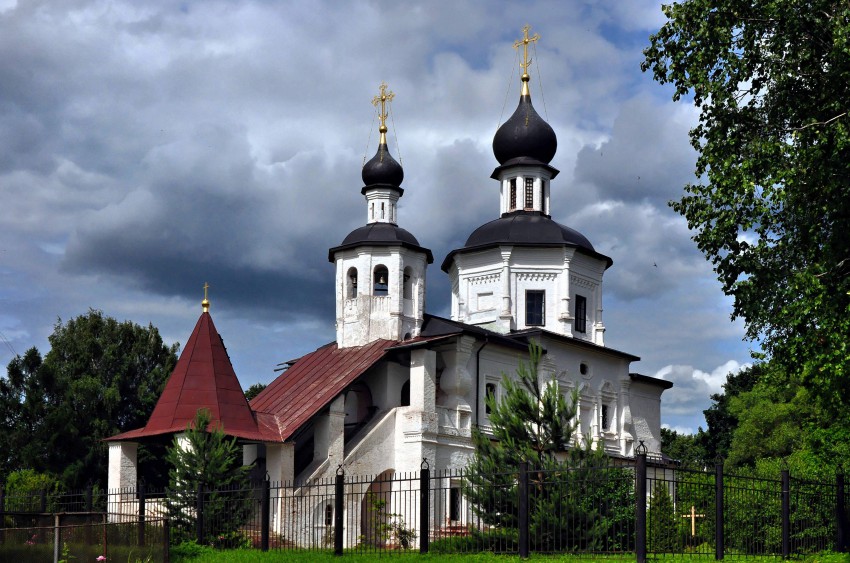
x: 255, y: 556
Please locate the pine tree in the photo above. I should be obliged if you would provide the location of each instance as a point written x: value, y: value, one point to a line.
x: 208, y: 461
x: 662, y: 521
x: 534, y: 422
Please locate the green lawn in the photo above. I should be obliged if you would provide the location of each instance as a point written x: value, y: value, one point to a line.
x: 246, y: 556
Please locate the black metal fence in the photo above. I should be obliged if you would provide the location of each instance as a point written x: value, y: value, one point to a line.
x: 638, y: 506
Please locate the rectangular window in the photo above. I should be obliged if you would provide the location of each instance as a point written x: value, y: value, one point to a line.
x: 543, y: 196
x: 513, y: 194
x: 535, y: 303
x: 581, y: 313
x: 489, y: 391
x: 329, y: 515
x: 454, y: 504
x: 605, y: 421
x: 529, y: 193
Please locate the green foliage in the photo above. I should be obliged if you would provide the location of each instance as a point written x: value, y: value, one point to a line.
x: 210, y: 462
x: 771, y: 210
x: 254, y: 390
x: 66, y: 553
x: 663, y: 526
x: 770, y: 424
x: 684, y: 448
x: 533, y: 422
x: 387, y: 527
x: 100, y: 378
x: 24, y: 487
x: 189, y: 549
x: 717, y: 438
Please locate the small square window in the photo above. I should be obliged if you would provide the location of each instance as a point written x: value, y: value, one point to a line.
x: 581, y: 313
x: 535, y: 303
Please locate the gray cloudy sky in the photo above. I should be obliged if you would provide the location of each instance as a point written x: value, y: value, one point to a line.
x: 149, y: 147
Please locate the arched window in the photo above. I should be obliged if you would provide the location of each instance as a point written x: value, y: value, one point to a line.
x: 351, y: 283
x: 380, y: 284
x: 405, y: 394
x: 408, y: 283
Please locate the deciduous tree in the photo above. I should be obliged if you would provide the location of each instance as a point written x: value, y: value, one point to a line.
x: 100, y: 377
x: 771, y: 208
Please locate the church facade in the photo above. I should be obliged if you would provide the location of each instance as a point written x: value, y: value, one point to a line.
x: 399, y: 385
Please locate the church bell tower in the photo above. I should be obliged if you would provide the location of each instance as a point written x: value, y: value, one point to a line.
x: 380, y: 267
x: 524, y: 270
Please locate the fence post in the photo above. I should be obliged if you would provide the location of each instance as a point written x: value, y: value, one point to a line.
x: 2, y: 514
x: 141, y: 491
x: 338, y: 508
x: 523, y: 510
x: 199, y: 509
x: 640, y: 502
x: 265, y: 518
x: 56, y: 537
x: 786, y: 514
x: 424, y: 509
x: 840, y: 513
x: 719, y: 546
x: 166, y: 539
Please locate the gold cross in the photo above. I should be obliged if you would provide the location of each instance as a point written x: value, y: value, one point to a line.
x: 693, y: 516
x: 382, y: 99
x: 524, y: 42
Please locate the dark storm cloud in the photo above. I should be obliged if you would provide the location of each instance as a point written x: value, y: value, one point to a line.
x: 146, y: 148
x: 647, y: 156
x: 211, y: 212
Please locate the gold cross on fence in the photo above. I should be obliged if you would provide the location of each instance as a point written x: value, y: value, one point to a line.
x: 693, y: 516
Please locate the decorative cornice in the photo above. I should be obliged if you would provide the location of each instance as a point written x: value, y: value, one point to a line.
x: 582, y: 282
x: 486, y: 278
x: 535, y: 276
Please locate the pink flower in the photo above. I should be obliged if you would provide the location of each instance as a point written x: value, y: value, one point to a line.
x: 101, y: 558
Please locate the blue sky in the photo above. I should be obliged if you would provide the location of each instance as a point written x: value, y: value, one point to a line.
x: 147, y: 148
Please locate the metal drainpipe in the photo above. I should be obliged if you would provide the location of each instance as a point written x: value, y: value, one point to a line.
x: 478, y: 378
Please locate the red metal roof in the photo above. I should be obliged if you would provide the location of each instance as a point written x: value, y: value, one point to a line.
x: 204, y: 378
x: 312, y: 382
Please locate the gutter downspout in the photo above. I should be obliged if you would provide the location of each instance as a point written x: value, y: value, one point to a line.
x: 478, y: 378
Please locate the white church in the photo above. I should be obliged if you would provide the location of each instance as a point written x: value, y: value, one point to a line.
x: 399, y: 385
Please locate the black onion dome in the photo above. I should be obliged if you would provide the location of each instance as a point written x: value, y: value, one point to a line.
x: 380, y: 234
x: 382, y: 169
x: 523, y: 228
x: 525, y: 134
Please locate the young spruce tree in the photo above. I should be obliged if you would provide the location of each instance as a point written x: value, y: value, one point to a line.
x: 210, y: 462
x: 568, y: 503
